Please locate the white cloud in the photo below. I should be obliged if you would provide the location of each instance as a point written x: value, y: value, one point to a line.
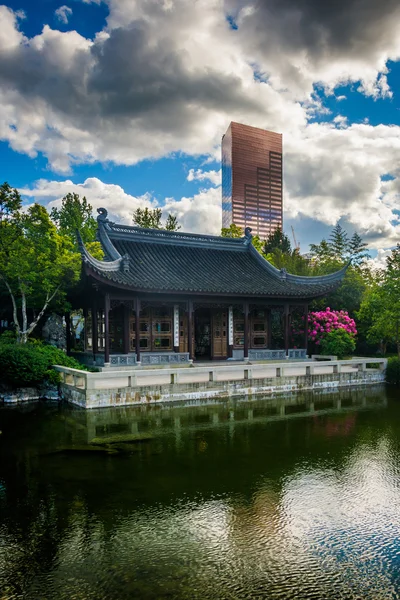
x: 63, y: 13
x: 379, y: 261
x: 119, y: 204
x: 168, y: 77
x: 200, y: 213
x: 199, y: 175
x: 335, y: 173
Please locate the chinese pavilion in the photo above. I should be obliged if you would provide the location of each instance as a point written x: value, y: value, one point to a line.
x: 166, y: 297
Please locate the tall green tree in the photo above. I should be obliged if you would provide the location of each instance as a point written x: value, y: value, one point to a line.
x: 322, y: 253
x: 339, y: 243
x: 380, y: 309
x: 150, y: 218
x: 277, y: 241
x: 75, y: 214
x: 37, y: 264
x: 358, y: 250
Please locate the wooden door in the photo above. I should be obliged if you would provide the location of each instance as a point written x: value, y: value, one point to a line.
x: 219, y: 347
x: 259, y: 329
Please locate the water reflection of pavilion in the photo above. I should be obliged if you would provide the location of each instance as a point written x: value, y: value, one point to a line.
x: 190, y: 416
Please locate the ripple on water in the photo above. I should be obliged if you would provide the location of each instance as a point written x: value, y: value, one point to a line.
x: 307, y: 508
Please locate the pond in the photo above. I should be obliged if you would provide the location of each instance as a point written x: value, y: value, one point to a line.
x: 296, y: 497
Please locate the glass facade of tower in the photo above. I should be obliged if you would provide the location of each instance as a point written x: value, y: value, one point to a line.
x: 252, y: 179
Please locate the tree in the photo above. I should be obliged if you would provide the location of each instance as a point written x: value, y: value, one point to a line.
x: 339, y: 244
x: 358, y: 249
x: 36, y: 262
x: 75, y: 215
x: 171, y: 223
x: 348, y: 295
x: 151, y: 219
x: 372, y: 326
x: 380, y: 309
x: 322, y: 252
x: 233, y: 231
x: 277, y: 241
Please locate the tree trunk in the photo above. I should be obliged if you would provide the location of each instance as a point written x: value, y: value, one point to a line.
x: 24, y: 333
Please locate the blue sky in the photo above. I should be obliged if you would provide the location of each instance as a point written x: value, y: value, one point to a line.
x: 126, y: 102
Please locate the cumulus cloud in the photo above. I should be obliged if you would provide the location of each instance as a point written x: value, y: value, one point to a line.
x: 167, y: 80
x: 336, y: 173
x: 63, y: 13
x: 328, y: 42
x: 199, y: 175
x: 167, y: 77
x: 119, y: 204
x: 199, y: 214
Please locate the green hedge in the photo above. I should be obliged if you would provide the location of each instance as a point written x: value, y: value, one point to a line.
x: 393, y: 370
x: 31, y: 363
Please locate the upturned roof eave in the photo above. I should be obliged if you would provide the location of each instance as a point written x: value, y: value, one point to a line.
x: 335, y: 277
x: 91, y: 271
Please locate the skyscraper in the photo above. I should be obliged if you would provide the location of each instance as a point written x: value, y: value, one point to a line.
x: 252, y: 179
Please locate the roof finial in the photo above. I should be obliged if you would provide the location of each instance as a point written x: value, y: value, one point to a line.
x: 247, y: 232
x: 102, y: 215
x: 125, y: 263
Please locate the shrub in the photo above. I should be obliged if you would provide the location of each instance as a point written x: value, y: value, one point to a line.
x: 8, y: 337
x: 31, y: 363
x: 22, y: 365
x: 338, y: 342
x: 393, y: 370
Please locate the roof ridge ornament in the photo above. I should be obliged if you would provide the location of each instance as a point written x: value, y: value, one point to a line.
x: 125, y: 263
x: 103, y: 214
x: 248, y: 236
x: 283, y: 273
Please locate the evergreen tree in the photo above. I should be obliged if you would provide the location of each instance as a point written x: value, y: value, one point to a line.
x: 339, y: 243
x: 357, y: 249
x: 277, y: 241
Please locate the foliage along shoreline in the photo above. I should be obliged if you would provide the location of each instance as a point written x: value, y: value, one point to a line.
x: 40, y: 265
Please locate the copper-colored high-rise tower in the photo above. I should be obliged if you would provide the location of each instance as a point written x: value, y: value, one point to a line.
x: 252, y: 179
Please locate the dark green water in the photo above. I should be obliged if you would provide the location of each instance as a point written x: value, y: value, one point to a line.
x: 225, y: 501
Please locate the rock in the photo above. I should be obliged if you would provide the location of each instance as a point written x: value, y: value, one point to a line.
x: 53, y: 331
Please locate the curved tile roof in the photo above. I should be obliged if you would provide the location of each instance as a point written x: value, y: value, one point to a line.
x: 164, y: 261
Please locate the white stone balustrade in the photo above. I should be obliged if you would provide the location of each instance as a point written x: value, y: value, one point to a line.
x: 135, y: 385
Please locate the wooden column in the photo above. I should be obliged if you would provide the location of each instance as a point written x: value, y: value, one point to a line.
x: 127, y: 312
x: 68, y: 331
x: 137, y: 329
x: 246, y: 332
x: 95, y: 337
x: 269, y: 329
x: 306, y: 327
x: 106, y: 329
x: 190, y: 329
x: 286, y: 321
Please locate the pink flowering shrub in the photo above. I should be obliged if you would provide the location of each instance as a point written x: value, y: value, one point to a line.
x: 324, y: 321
